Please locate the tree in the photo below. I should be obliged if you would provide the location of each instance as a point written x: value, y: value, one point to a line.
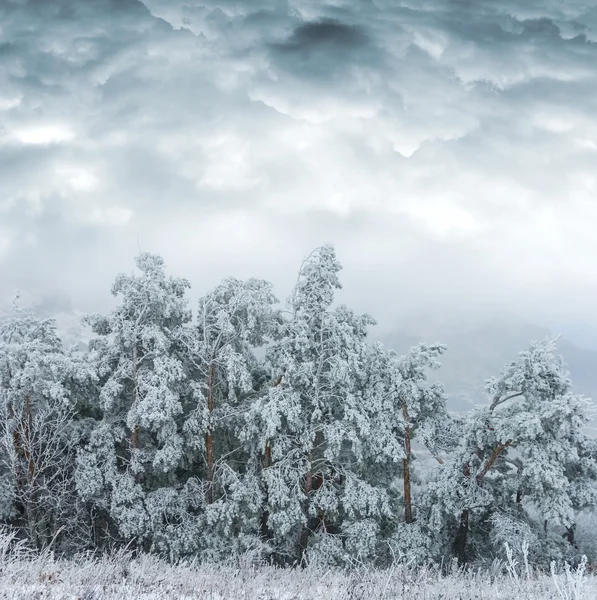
x: 225, y: 377
x: 522, y: 451
x: 408, y: 408
x: 403, y: 407
x: 311, y: 424
x: 130, y: 462
x: 40, y: 429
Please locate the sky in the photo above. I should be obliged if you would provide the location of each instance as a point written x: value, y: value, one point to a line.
x: 447, y: 148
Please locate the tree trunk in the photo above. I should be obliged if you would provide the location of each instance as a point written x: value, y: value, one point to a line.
x: 209, y: 441
x: 463, y: 527
x: 18, y: 448
x: 31, y: 492
x: 462, y: 537
x: 408, y: 513
x: 134, y: 441
x: 267, y: 461
x: 28, y: 426
x: 306, y: 530
x: 570, y: 535
x: 494, y: 455
x: 263, y: 528
x: 135, y: 437
x: 311, y: 523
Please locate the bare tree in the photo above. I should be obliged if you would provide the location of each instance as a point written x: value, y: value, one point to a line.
x: 37, y: 451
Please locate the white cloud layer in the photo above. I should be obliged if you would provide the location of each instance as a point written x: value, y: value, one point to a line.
x: 447, y: 148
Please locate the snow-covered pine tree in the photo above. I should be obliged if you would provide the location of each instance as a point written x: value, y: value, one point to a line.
x: 521, y: 455
x: 42, y: 410
x: 404, y: 407
x: 225, y: 377
x: 581, y: 472
x: 128, y: 470
x: 311, y: 424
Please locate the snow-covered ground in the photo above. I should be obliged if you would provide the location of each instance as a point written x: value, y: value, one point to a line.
x: 121, y: 577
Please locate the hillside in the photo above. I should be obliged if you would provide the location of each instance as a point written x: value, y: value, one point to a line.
x: 479, y: 347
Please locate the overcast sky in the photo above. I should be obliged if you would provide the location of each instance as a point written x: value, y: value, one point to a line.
x: 448, y: 148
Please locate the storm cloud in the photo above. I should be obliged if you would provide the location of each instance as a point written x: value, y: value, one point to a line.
x: 447, y: 148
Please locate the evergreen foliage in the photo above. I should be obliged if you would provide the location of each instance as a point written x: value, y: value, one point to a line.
x: 282, y: 431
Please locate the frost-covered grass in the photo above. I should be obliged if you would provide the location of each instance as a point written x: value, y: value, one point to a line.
x: 25, y: 575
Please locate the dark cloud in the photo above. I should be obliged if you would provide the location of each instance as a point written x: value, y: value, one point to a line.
x: 323, y: 49
x: 324, y: 35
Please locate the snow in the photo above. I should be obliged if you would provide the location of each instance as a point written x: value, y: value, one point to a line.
x: 26, y: 576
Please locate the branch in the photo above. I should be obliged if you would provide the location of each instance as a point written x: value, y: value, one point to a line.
x: 497, y: 400
x: 435, y: 455
x: 494, y: 455
x: 516, y: 462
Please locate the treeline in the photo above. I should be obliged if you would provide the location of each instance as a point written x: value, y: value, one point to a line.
x: 245, y: 426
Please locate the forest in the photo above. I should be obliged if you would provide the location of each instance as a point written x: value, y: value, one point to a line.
x: 280, y: 429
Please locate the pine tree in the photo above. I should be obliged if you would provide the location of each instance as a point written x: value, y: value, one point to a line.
x: 404, y: 408
x: 225, y: 377
x: 129, y: 465
x: 311, y: 424
x: 520, y: 454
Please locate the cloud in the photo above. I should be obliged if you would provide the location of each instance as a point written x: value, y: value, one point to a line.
x: 322, y: 37
x: 42, y: 135
x: 447, y: 148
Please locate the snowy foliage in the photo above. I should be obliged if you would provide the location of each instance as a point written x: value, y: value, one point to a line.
x: 404, y: 406
x: 313, y: 423
x: 523, y: 454
x: 42, y: 423
x: 136, y: 445
x: 245, y: 427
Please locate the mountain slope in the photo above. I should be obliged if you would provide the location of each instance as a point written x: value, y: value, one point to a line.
x: 479, y: 347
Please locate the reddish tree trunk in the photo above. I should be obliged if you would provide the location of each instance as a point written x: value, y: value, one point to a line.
x: 310, y: 479
x: 263, y: 527
x: 462, y: 537
x: 135, y: 437
x: 494, y: 455
x: 135, y: 430
x: 306, y: 531
x: 267, y: 458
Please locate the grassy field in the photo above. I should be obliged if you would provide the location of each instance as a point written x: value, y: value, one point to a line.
x: 25, y: 575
